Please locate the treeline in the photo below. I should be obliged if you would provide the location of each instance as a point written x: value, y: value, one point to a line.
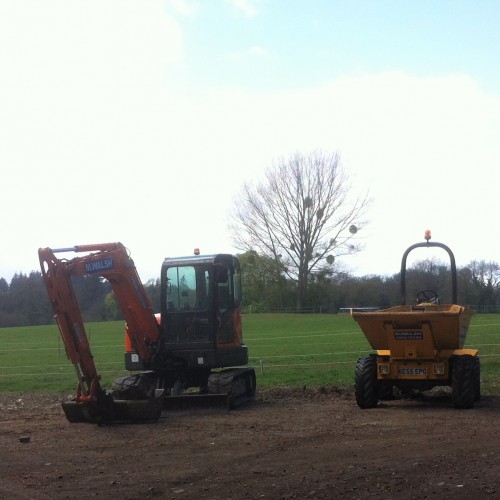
x: 24, y: 301
x: 265, y: 288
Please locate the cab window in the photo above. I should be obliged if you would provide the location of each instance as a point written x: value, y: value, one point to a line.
x: 187, y: 288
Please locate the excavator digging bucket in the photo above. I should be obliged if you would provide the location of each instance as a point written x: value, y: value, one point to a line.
x: 187, y: 402
x: 108, y: 410
x: 86, y: 411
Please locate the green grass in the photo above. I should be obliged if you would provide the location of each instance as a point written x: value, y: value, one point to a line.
x: 285, y: 349
x: 484, y: 334
x: 303, y: 349
x: 33, y: 359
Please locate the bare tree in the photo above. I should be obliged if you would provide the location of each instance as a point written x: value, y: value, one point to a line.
x: 302, y: 216
x: 485, y: 273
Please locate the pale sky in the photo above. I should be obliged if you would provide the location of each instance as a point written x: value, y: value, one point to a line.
x: 139, y: 120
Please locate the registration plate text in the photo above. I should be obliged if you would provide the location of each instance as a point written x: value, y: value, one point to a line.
x: 413, y: 371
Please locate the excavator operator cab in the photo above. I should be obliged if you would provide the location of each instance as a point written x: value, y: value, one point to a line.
x: 200, y: 308
x: 200, y: 314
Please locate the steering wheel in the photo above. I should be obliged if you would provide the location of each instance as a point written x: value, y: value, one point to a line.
x: 427, y: 296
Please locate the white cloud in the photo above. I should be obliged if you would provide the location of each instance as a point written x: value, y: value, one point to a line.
x: 425, y: 148
x: 246, y: 6
x: 184, y: 7
x: 56, y: 43
x: 100, y: 143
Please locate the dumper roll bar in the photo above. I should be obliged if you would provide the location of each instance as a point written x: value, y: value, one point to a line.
x: 452, y: 263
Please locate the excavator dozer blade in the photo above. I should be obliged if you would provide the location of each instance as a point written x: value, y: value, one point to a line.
x: 137, y: 411
x: 186, y: 402
x: 109, y: 411
x: 227, y: 389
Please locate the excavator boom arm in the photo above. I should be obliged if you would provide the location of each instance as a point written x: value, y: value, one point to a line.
x: 110, y: 261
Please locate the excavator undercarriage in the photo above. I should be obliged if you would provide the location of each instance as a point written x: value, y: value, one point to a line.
x: 136, y: 398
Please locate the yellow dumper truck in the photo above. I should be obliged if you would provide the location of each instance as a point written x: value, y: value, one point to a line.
x: 418, y: 347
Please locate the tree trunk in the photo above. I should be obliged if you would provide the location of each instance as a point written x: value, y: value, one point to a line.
x: 301, y: 287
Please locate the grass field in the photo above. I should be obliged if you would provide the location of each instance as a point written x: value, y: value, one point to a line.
x: 285, y: 349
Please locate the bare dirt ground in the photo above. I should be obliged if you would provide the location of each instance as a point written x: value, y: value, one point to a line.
x: 289, y: 444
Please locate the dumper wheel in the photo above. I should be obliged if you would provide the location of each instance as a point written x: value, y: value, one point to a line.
x: 365, y: 382
x: 477, y: 379
x: 463, y: 381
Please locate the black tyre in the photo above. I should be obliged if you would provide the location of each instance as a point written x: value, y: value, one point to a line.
x: 365, y: 382
x: 463, y: 381
x: 477, y: 379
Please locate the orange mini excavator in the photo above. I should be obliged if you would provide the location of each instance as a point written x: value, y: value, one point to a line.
x: 194, y: 343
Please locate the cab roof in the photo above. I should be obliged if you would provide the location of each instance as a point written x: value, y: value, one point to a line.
x: 193, y: 260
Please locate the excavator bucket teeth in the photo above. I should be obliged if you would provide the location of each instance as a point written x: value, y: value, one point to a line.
x: 186, y: 402
x: 111, y: 411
